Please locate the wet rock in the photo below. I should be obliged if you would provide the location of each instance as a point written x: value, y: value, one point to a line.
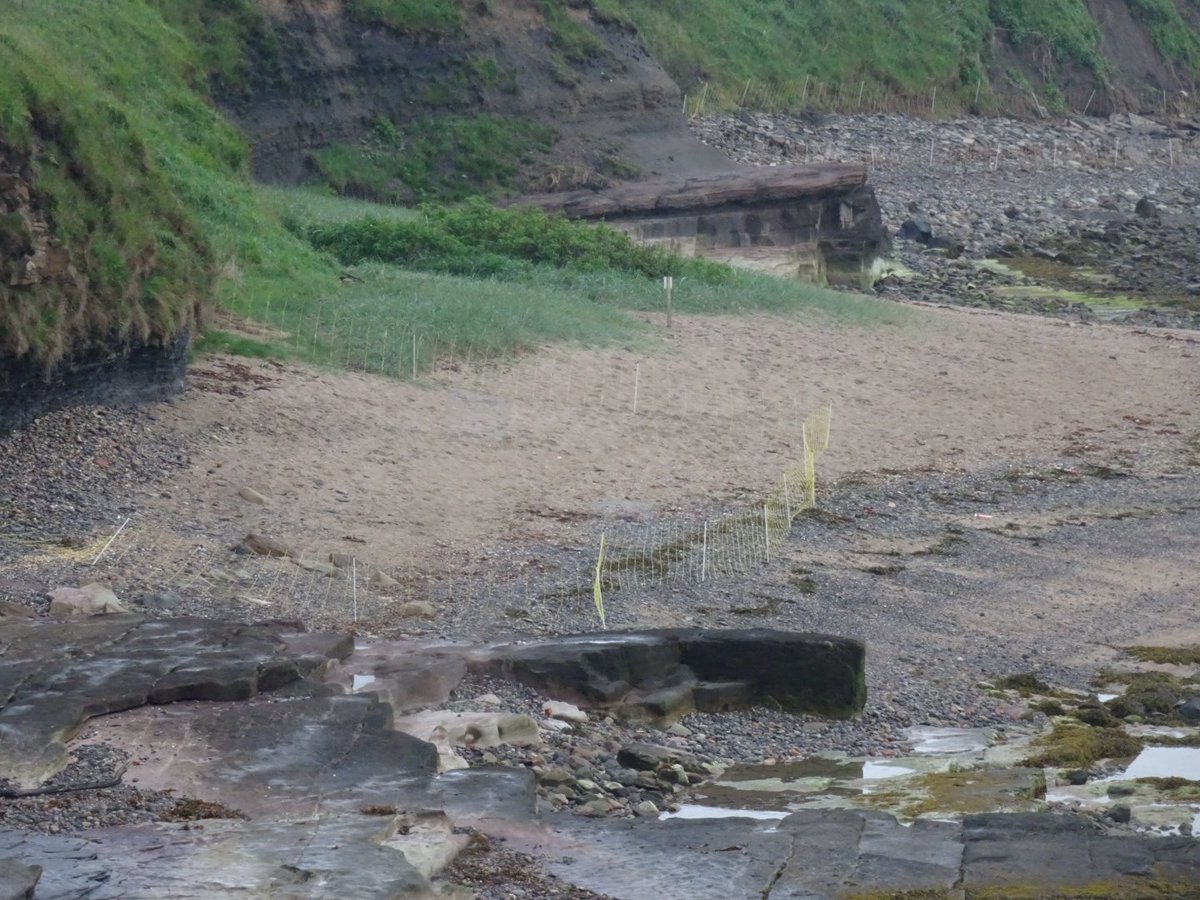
x: 17, y: 880
x: 1121, y: 814
x: 1189, y: 709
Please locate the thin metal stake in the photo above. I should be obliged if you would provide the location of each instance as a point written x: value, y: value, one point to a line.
x: 108, y: 543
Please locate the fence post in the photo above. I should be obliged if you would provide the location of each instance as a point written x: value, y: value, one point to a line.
x: 704, y: 554
x: 767, y: 528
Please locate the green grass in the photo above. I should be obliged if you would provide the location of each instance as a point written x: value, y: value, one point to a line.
x: 446, y: 159
x: 849, y: 54
x: 1171, y: 36
x: 367, y: 318
x: 434, y: 16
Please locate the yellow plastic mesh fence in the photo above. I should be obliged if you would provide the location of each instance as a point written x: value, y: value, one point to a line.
x: 176, y: 574
x: 733, y: 544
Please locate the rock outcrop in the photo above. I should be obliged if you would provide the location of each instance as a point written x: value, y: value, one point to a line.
x: 818, y: 223
x: 664, y: 674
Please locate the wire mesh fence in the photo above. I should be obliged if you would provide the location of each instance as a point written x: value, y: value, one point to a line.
x: 158, y: 570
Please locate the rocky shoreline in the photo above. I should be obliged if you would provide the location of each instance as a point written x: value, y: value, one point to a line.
x: 1116, y: 197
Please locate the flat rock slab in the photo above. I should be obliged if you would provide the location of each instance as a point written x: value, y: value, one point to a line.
x: 662, y: 674
x: 56, y: 675
x: 843, y: 854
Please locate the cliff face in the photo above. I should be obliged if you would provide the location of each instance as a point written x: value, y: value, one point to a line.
x: 612, y: 106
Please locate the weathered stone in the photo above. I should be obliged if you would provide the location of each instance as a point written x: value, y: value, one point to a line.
x: 566, y: 712
x: 649, y: 757
x: 416, y: 609
x: 260, y: 545
x: 315, y: 565
x: 90, y: 600
x: 827, y: 211
x: 657, y: 673
x: 250, y: 495
x: 472, y: 729
x: 646, y: 809
x: 17, y: 880
x: 57, y: 675
x: 381, y: 578
x: 15, y: 611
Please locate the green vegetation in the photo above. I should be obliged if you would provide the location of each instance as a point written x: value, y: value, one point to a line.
x: 1170, y: 35
x: 126, y: 184
x: 1078, y: 746
x: 1064, y: 27
x: 478, y: 239
x: 448, y: 158
x: 1024, y: 683
x: 435, y: 16
x: 1179, y: 656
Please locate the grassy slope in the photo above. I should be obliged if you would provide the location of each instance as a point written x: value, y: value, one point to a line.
x: 147, y: 185
x: 847, y: 53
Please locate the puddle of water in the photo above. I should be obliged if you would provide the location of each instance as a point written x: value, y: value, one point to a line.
x: 1104, y: 698
x: 1163, y: 762
x: 695, y: 811
x: 361, y: 681
x: 873, y: 770
x: 947, y: 740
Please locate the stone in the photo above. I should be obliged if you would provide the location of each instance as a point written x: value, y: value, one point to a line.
x: 260, y: 545
x: 1120, y: 813
x: 641, y: 757
x: 315, y: 565
x: 18, y: 880
x: 89, y: 600
x: 1145, y: 208
x: 556, y: 775
x: 646, y: 809
x: 380, y: 578
x: 250, y: 495
x: 63, y: 673
x: 10, y: 610
x: 917, y: 230
x: 472, y: 729
x: 665, y: 673
x: 160, y: 600
x: 566, y: 712
x: 1189, y: 709
x: 679, y: 730
x: 416, y: 609
x: 344, y: 560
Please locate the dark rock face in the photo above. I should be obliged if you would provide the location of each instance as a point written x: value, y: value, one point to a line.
x: 667, y: 673
x: 120, y: 374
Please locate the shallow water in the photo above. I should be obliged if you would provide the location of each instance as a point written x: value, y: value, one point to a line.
x: 696, y: 811
x: 947, y: 740
x: 1164, y: 762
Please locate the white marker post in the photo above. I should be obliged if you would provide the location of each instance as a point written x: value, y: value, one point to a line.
x: 668, y: 286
